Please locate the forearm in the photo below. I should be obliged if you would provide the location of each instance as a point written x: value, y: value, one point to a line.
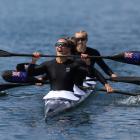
x: 103, y: 81
x: 100, y: 77
x: 105, y: 67
x: 34, y: 70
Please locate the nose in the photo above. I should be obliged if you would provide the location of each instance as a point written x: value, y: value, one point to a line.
x: 79, y: 41
x: 59, y: 48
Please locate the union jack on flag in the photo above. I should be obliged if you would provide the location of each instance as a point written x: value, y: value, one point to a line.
x: 128, y: 55
x: 15, y: 73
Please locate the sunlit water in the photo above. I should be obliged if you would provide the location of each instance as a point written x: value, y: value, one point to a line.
x: 113, y: 27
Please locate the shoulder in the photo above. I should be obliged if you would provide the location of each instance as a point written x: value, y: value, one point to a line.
x: 79, y: 63
x: 92, y: 51
x: 45, y: 63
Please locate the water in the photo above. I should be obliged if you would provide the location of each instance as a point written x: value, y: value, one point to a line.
x: 28, y: 26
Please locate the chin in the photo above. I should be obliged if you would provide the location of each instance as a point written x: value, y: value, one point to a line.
x: 60, y: 54
x: 80, y: 49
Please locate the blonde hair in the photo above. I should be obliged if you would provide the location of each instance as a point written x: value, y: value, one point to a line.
x: 84, y: 33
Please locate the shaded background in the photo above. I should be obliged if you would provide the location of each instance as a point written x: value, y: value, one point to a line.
x: 31, y: 25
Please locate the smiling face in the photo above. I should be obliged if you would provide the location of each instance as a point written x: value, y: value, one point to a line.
x: 81, y: 38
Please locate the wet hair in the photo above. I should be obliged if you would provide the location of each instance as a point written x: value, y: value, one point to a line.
x: 73, y: 40
x: 66, y: 40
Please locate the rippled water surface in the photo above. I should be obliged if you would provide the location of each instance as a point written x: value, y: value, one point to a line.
x: 31, y: 25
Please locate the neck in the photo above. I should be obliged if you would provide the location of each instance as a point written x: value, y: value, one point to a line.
x: 84, y: 49
x: 81, y: 49
x: 61, y: 59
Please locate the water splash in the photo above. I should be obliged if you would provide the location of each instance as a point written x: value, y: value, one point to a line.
x: 131, y: 101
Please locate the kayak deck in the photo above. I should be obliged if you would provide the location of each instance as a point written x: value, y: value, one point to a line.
x: 55, y: 104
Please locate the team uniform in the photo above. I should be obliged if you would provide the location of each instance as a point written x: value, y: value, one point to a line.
x: 99, y: 61
x: 62, y: 76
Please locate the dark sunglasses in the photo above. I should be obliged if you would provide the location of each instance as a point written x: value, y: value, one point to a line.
x: 81, y: 39
x: 61, y: 44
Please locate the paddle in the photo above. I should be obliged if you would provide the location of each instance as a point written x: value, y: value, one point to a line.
x: 121, y: 92
x: 130, y: 57
x: 124, y: 79
x: 9, y: 54
x: 6, y: 86
x: 133, y: 80
x: 115, y: 91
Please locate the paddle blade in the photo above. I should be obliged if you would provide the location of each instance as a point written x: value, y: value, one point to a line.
x: 10, y: 85
x: 6, y: 86
x: 132, y: 80
x: 130, y: 57
x: 9, y: 54
x: 4, y: 53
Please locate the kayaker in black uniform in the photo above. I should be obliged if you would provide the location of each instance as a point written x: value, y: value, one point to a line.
x: 20, y: 75
x: 82, y: 49
x: 62, y: 72
x: 94, y: 73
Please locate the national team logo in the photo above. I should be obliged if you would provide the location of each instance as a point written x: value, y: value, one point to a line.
x: 128, y: 55
x: 67, y: 69
x: 15, y: 73
x: 26, y: 66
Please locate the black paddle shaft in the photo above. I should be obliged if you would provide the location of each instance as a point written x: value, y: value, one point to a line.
x: 9, y: 54
x: 6, y: 86
x: 121, y: 92
x: 123, y: 79
x: 130, y: 57
x: 114, y: 91
x: 126, y: 79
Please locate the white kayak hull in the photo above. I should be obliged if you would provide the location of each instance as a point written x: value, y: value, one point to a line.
x: 59, y: 101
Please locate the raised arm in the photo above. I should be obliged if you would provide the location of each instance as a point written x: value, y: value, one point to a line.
x: 33, y: 69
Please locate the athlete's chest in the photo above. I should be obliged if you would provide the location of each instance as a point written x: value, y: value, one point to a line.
x: 61, y: 70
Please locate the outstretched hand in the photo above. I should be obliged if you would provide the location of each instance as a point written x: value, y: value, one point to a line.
x: 109, y: 89
x: 85, y: 58
x: 36, y: 56
x: 113, y: 75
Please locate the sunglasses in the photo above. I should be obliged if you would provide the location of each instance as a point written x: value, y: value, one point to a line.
x: 61, y: 44
x: 81, y: 39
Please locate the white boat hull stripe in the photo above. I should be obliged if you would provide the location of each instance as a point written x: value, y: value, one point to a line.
x: 61, y: 94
